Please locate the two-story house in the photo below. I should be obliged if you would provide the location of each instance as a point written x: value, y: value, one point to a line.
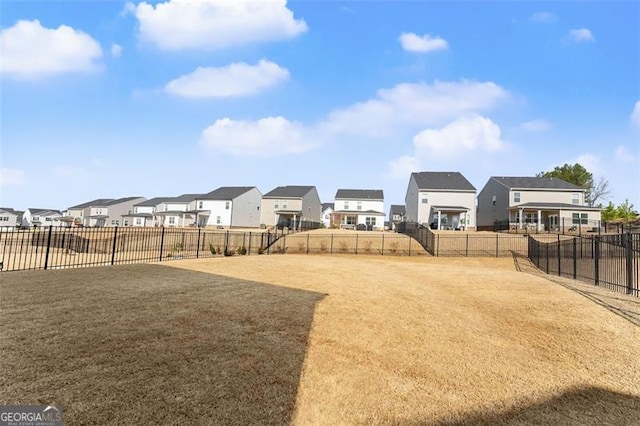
x: 179, y: 211
x: 326, y: 214
x: 103, y: 211
x: 441, y: 200
x: 287, y: 206
x: 80, y: 213
x: 144, y: 213
x: 542, y: 203
x: 9, y: 219
x: 230, y: 206
x: 364, y: 207
x: 41, y: 218
x: 397, y: 214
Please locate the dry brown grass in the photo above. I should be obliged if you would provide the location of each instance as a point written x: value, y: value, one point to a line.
x: 317, y: 340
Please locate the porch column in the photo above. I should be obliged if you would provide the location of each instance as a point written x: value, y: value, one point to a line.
x: 439, y: 218
x: 521, y: 218
x: 294, y: 221
x: 539, y: 220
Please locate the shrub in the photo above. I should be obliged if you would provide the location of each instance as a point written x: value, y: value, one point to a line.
x: 212, y: 248
x: 242, y: 250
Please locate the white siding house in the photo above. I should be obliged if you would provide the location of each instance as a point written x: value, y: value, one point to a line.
x: 441, y: 200
x: 179, y: 211
x: 8, y: 219
x: 327, y: 213
x: 364, y: 207
x: 41, y: 218
x: 144, y: 213
x: 230, y: 206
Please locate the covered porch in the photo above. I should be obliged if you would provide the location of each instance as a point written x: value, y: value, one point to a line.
x: 449, y: 217
x: 288, y: 219
x: 553, y: 217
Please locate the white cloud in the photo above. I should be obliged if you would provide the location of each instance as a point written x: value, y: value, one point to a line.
x: 461, y: 137
x: 581, y: 35
x: 116, y: 50
x: 414, y: 104
x: 237, y: 79
x: 210, y: 25
x: 545, y: 17
x: 403, y: 166
x: 412, y: 42
x: 265, y: 137
x: 635, y: 115
x: 11, y: 177
x: 536, y: 126
x: 590, y: 162
x: 623, y: 155
x: 29, y: 49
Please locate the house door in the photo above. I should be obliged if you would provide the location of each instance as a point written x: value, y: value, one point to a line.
x: 553, y: 222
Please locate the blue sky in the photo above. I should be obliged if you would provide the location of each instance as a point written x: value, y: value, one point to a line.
x: 103, y: 99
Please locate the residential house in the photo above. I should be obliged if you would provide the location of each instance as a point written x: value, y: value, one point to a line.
x: 326, y: 214
x: 441, y: 200
x: 9, y: 219
x: 230, y: 206
x: 396, y: 215
x: 179, y: 211
x: 79, y: 214
x: 355, y: 208
x: 289, y: 205
x: 41, y: 218
x: 542, y: 203
x: 144, y: 212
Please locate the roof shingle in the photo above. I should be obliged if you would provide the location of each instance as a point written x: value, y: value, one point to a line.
x: 442, y: 181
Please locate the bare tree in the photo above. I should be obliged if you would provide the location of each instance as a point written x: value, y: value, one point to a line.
x: 598, y: 191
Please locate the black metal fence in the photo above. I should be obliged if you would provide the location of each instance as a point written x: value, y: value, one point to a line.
x: 610, y: 261
x: 563, y: 226
x: 462, y: 244
x: 62, y: 247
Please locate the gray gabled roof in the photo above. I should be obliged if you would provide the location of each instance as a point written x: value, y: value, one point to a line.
x: 8, y: 210
x: 100, y: 202
x: 527, y: 182
x: 152, y: 202
x: 453, y: 181
x: 326, y: 206
x: 120, y: 201
x: 289, y: 191
x: 184, y: 198
x: 359, y: 194
x: 43, y: 211
x: 226, y: 193
x: 398, y: 209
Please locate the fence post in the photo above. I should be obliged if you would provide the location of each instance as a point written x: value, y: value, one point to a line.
x: 161, y: 243
x: 307, y: 243
x: 629, y: 247
x: 226, y: 243
x: 249, y: 248
x: 466, y: 250
x: 497, y: 242
x: 559, y: 260
x: 547, y: 256
x: 356, y: 242
x: 410, y: 246
x: 331, y: 248
x: 596, y: 260
x: 575, y: 258
x: 198, y: 245
x: 113, y: 249
x: 382, y: 254
x: 437, y: 248
x: 46, y: 256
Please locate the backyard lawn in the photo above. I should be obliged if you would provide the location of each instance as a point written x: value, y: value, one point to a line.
x: 318, y: 340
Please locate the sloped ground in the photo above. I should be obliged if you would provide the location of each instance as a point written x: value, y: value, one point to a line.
x: 317, y: 340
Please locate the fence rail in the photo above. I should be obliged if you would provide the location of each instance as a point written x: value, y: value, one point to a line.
x: 564, y: 226
x: 62, y: 247
x: 463, y: 244
x: 610, y: 261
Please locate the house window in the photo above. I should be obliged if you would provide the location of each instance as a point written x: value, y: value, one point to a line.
x: 35, y: 218
x: 4, y: 218
x: 47, y: 219
x: 531, y: 218
x: 516, y: 197
x: 346, y: 205
x: 579, y: 218
x: 575, y: 198
x: 359, y: 205
x: 199, y: 204
x: 370, y: 220
x: 126, y: 223
x: 138, y: 221
x: 425, y: 198
x: 226, y: 205
x: 493, y: 200
x: 350, y: 220
x: 284, y: 204
x: 166, y: 207
x: 218, y: 220
x: 172, y: 220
